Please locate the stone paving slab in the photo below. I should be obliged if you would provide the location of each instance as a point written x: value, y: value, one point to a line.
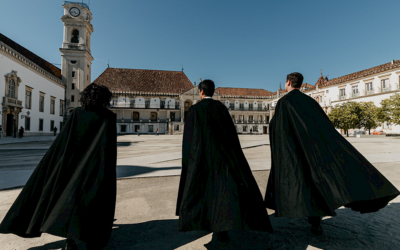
x: 145, y: 219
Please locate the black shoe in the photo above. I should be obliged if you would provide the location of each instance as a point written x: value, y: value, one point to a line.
x: 316, y: 229
x: 71, y: 245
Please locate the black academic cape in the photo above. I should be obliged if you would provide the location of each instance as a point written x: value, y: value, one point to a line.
x: 217, y: 191
x: 72, y: 191
x: 315, y: 170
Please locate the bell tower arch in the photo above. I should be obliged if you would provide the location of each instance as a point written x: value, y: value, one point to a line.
x: 76, y: 63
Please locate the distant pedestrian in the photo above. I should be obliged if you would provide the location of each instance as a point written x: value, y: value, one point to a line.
x: 156, y: 131
x: 138, y: 132
x: 21, y: 132
x: 1, y: 131
x: 80, y: 206
x: 251, y: 131
x: 15, y: 129
x: 55, y: 131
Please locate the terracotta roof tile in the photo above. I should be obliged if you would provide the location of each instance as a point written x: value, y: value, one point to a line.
x: 243, y: 92
x: 144, y: 80
x: 32, y: 56
x: 363, y: 73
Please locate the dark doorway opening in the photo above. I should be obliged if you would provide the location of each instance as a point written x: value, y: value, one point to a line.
x: 265, y: 130
x: 137, y: 127
x: 172, y: 116
x: 10, y: 124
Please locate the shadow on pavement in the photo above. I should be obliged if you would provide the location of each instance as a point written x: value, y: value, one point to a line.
x: 126, y: 143
x: 348, y: 230
x: 157, y: 234
x: 53, y: 245
x: 128, y: 171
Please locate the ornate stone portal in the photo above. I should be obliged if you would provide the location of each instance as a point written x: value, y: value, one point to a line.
x: 11, y: 106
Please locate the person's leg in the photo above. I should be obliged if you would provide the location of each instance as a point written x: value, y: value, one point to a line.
x: 315, y: 222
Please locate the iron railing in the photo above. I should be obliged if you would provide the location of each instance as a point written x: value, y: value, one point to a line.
x: 142, y: 106
x: 81, y: 4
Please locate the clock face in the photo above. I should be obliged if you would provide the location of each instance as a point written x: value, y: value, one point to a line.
x: 87, y: 17
x: 74, y: 11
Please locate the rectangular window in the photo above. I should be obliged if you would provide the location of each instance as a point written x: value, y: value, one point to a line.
x: 354, y: 91
x: 147, y: 104
x: 241, y: 106
x: 27, y: 123
x: 368, y: 86
x: 150, y: 128
x: 250, y: 106
x: 342, y: 92
x: 176, y: 128
x: 72, y: 98
x: 52, y: 105
x: 244, y: 128
x: 327, y: 91
x: 231, y: 106
x: 61, y: 108
x: 73, y: 73
x: 123, y: 128
x: 51, y: 125
x: 255, y: 129
x: 385, y: 83
x: 250, y: 118
x: 28, y: 99
x: 40, y: 124
x: 41, y: 103
x: 73, y: 86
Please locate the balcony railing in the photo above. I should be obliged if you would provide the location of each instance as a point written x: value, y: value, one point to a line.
x: 141, y: 121
x: 353, y: 95
x: 81, y: 4
x: 250, y: 122
x: 342, y: 97
x: 8, y: 101
x: 142, y: 106
x: 386, y: 89
x: 250, y: 109
x: 371, y: 92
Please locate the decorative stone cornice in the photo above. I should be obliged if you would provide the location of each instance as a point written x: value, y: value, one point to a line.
x: 10, y: 52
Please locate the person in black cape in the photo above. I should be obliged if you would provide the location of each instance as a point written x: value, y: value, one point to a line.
x: 217, y: 191
x: 315, y: 170
x: 72, y: 191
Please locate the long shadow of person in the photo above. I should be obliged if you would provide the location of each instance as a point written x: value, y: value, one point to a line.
x: 347, y: 230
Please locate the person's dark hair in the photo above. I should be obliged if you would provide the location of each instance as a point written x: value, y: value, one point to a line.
x: 296, y: 79
x: 208, y: 86
x: 95, y: 96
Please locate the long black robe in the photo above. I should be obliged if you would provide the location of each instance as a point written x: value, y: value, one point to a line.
x: 217, y: 190
x: 72, y: 191
x: 315, y: 170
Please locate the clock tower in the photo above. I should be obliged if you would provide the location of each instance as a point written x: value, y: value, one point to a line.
x: 77, y: 60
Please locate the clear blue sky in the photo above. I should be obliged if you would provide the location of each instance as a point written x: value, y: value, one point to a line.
x: 252, y: 44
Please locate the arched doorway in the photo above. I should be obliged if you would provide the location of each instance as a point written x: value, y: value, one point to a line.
x: 135, y: 116
x: 153, y: 116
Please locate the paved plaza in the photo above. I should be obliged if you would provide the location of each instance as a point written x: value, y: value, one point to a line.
x: 148, y: 170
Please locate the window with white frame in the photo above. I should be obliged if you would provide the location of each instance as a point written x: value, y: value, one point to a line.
x: 368, y: 87
x: 61, y: 108
x: 28, y: 98
x: 11, y: 88
x: 385, y: 84
x: 342, y: 92
x: 41, y: 102
x: 52, y: 105
x: 354, y: 91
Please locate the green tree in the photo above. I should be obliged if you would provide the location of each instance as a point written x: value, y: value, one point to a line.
x: 368, y: 118
x: 389, y: 111
x: 346, y: 116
